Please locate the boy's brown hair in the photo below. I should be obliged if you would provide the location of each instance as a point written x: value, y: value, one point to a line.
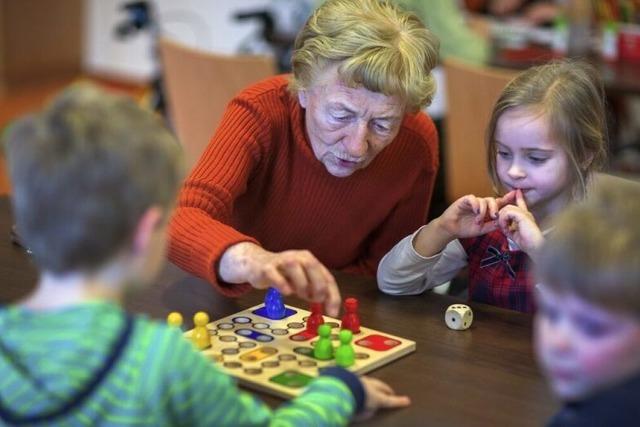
x: 594, y: 249
x: 83, y: 172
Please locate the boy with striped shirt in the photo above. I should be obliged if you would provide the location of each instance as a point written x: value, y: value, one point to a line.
x: 94, y: 179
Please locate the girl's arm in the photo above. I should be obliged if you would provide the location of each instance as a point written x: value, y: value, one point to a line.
x: 433, y: 255
x: 403, y: 271
x: 469, y: 216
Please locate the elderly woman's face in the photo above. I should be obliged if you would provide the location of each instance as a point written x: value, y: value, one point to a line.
x: 348, y: 127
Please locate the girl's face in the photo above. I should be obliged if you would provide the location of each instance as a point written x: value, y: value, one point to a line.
x: 528, y: 159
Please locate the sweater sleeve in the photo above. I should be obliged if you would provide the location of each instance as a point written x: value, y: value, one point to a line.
x: 199, y: 394
x: 200, y: 230
x: 403, y: 271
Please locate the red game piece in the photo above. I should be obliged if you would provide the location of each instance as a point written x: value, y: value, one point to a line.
x: 315, y: 319
x: 350, y: 319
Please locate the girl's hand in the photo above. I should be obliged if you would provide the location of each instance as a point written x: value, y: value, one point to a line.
x: 472, y: 216
x: 518, y: 224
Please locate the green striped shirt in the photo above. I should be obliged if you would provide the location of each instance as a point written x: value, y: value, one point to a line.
x: 159, y: 379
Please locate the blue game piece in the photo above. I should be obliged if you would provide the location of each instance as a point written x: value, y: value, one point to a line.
x: 274, y: 304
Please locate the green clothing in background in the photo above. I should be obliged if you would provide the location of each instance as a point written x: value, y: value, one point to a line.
x: 445, y: 19
x: 158, y: 380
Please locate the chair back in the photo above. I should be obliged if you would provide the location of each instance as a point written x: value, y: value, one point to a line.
x: 199, y: 85
x: 5, y: 186
x: 471, y: 92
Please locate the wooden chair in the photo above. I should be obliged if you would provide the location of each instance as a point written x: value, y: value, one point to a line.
x: 5, y: 185
x: 471, y: 92
x: 199, y: 86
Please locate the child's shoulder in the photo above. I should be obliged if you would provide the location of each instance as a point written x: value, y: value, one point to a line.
x: 154, y: 337
x: 94, y: 326
x: 94, y: 319
x: 616, y: 406
x: 154, y: 343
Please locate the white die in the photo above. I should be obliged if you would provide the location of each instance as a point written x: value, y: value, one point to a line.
x: 458, y: 317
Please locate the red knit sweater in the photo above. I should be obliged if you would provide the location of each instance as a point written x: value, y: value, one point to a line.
x: 259, y: 181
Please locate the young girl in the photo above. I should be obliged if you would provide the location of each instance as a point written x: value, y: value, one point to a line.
x: 546, y: 137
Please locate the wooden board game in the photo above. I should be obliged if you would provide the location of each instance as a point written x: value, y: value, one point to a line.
x: 276, y: 356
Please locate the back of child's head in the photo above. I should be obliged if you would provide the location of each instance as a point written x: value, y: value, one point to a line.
x: 593, y: 251
x: 570, y: 95
x: 83, y: 172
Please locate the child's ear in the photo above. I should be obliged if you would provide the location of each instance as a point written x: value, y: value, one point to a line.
x: 148, y: 223
x: 587, y: 161
x: 302, y: 98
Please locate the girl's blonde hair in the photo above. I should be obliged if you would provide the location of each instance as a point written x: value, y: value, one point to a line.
x: 570, y: 95
x: 376, y: 44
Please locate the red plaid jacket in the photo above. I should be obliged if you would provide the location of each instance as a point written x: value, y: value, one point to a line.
x: 498, y: 276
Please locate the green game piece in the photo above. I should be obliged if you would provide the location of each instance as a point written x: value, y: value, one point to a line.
x: 345, y: 355
x: 323, y: 349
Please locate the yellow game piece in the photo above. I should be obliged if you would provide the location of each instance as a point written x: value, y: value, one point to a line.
x: 200, y: 334
x: 174, y: 319
x: 200, y: 318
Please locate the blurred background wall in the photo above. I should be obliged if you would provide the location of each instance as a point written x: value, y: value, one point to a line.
x: 204, y: 24
x: 46, y: 39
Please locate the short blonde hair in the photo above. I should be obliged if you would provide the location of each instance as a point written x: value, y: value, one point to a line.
x: 84, y: 170
x: 570, y: 94
x: 378, y: 46
x: 594, y: 249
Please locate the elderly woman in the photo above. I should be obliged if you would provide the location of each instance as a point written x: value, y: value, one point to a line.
x: 325, y: 169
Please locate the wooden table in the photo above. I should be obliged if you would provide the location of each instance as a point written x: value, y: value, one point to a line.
x: 485, y: 376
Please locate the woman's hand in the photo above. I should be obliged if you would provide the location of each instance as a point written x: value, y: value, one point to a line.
x: 290, y: 272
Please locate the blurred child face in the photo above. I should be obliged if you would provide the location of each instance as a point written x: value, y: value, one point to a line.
x: 529, y: 160
x: 583, y: 348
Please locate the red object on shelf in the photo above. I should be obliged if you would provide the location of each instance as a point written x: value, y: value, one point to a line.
x: 629, y: 43
x: 529, y: 54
